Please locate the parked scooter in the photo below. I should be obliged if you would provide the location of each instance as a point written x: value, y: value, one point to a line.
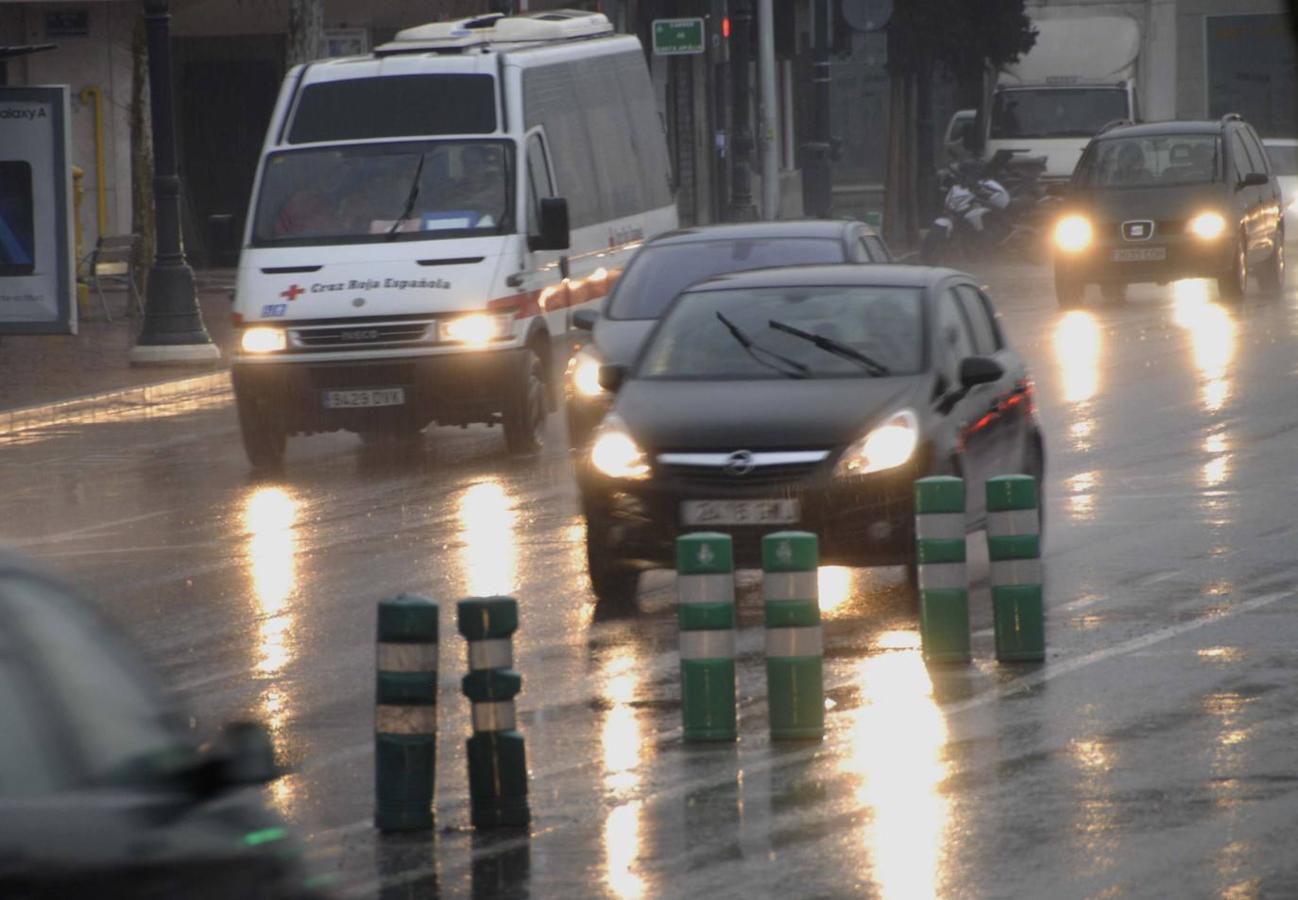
x: 994, y: 208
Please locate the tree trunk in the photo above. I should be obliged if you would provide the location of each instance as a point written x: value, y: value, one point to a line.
x: 142, y: 210
x: 901, y: 214
x: 306, y: 39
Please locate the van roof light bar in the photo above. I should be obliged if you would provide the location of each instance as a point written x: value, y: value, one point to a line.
x: 482, y: 31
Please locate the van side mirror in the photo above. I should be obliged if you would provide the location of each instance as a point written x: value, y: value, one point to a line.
x: 976, y: 370
x: 1254, y: 179
x: 553, y: 224
x: 611, y: 378
x: 585, y: 319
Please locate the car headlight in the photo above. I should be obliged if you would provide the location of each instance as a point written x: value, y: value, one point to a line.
x: 615, y: 453
x: 478, y: 328
x: 260, y: 339
x: 584, y: 372
x: 1207, y: 226
x: 886, y: 446
x: 1073, y: 234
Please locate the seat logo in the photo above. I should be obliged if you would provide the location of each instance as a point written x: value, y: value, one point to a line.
x: 1138, y: 230
x: 739, y: 463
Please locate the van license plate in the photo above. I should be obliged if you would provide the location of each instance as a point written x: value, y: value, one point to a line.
x: 365, y: 397
x: 740, y: 512
x: 1140, y: 254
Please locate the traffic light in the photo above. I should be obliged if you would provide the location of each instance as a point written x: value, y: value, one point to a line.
x: 718, y: 32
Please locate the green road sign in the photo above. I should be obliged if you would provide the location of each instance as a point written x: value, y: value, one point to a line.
x: 678, y: 37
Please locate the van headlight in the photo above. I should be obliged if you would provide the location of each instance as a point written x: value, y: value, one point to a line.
x: 886, y: 446
x: 1073, y: 234
x: 583, y: 371
x: 260, y: 339
x: 479, y: 328
x: 1207, y: 226
x: 615, y: 453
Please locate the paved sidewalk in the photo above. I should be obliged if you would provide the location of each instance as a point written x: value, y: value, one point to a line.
x: 41, y: 370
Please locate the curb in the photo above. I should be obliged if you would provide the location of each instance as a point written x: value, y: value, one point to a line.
x: 157, y: 400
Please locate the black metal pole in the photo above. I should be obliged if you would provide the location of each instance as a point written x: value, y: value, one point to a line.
x: 173, y: 329
x: 817, y: 179
x: 742, y: 208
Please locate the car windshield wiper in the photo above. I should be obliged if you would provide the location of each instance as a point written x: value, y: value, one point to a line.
x: 835, y: 347
x: 411, y: 197
x: 795, y: 370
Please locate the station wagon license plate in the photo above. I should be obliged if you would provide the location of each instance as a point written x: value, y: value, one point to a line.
x: 1140, y: 254
x: 740, y: 512
x: 363, y: 398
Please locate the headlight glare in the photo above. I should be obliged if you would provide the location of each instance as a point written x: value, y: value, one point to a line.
x: 585, y: 373
x: 886, y: 446
x: 260, y: 339
x: 1073, y: 234
x: 615, y: 453
x: 1207, y: 226
x: 478, y: 328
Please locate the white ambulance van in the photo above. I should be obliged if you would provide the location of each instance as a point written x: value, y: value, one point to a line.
x: 426, y: 219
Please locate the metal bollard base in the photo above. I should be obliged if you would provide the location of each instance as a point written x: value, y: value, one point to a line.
x: 944, y: 625
x: 708, y: 699
x: 1019, y: 623
x: 497, y: 779
x: 795, y: 697
x: 404, y: 768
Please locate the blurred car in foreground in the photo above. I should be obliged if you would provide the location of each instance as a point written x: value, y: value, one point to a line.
x: 1168, y: 200
x: 806, y: 397
x: 1283, y: 155
x: 101, y: 794
x: 671, y: 262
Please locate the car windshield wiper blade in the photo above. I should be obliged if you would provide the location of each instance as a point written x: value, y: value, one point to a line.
x: 410, y: 198
x: 835, y: 347
x: 795, y: 370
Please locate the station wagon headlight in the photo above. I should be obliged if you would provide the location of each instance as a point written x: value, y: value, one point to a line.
x: 1073, y: 234
x: 1207, y: 226
x: 261, y: 339
x: 584, y: 372
x: 886, y: 446
x: 615, y: 453
x: 478, y: 328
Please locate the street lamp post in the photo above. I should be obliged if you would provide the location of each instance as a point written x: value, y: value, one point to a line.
x: 742, y: 208
x: 818, y: 191
x: 173, y: 332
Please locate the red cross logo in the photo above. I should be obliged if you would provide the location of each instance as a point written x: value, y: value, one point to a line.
x: 292, y: 293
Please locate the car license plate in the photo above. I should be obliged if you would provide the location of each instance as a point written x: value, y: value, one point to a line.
x: 740, y: 512
x: 364, y: 397
x: 1140, y: 254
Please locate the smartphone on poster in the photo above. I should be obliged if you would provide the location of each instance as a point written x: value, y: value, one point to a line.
x: 17, y: 227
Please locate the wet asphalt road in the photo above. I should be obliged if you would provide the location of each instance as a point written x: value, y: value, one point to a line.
x: 1151, y: 755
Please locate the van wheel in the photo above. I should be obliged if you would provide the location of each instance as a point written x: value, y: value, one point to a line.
x: 613, y: 581
x: 526, y: 414
x: 1233, y: 283
x: 264, y: 440
x: 1114, y: 294
x: 1068, y: 290
x: 1272, y: 275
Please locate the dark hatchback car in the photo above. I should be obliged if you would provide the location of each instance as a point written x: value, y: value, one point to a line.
x: 1168, y: 200
x: 669, y: 263
x: 808, y: 397
x: 102, y: 794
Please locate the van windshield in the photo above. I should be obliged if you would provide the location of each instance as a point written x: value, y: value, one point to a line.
x: 1056, y: 112
x: 377, y: 192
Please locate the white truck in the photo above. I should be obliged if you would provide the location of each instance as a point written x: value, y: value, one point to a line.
x: 1079, y: 76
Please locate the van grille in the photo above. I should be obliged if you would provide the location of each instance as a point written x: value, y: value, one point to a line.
x: 362, y: 335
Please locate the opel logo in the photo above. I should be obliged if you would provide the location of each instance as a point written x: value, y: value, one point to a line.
x: 739, y: 463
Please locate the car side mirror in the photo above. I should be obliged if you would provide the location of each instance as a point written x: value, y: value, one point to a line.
x: 611, y: 378
x: 247, y: 754
x: 976, y: 370
x: 585, y: 319
x: 1254, y: 179
x: 555, y: 234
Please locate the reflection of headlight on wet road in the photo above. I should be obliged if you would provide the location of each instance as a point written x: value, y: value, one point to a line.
x: 263, y: 340
x: 615, y: 453
x: 1073, y: 234
x: 478, y: 328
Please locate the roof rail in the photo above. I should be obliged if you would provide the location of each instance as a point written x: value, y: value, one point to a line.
x: 1231, y: 117
x: 1116, y: 123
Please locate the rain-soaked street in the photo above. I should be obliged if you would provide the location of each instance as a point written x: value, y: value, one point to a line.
x: 1152, y: 754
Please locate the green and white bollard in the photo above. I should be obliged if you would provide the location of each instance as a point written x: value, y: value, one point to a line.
x: 497, y: 761
x: 705, y: 587
x: 1014, y: 548
x: 794, y: 645
x: 940, y: 560
x: 405, y: 715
